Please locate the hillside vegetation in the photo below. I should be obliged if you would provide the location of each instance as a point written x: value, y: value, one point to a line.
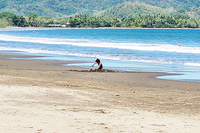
x: 129, y: 9
x: 101, y: 13
x: 66, y: 8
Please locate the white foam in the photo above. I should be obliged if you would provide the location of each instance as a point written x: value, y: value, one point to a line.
x: 110, y: 57
x: 96, y: 43
x: 192, y: 64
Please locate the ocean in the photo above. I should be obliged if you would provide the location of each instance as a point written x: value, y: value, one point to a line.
x: 132, y: 50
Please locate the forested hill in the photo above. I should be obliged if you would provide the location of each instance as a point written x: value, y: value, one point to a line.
x: 131, y: 9
x: 64, y: 8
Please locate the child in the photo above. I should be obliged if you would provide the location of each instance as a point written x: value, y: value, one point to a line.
x: 100, y: 66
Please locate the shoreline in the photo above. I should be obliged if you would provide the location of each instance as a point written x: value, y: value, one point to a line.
x: 45, y: 96
x: 62, y: 65
x: 26, y: 56
x: 38, y: 28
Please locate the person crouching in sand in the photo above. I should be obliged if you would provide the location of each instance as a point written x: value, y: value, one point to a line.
x: 100, y: 66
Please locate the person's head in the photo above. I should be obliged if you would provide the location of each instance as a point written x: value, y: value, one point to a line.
x: 98, y: 61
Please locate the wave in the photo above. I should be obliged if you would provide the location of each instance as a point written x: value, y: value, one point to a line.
x: 97, y: 43
x: 105, y: 56
x: 192, y: 64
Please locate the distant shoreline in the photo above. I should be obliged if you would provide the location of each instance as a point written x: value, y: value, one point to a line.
x: 31, y: 28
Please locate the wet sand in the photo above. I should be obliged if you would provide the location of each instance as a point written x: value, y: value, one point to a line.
x: 46, y: 97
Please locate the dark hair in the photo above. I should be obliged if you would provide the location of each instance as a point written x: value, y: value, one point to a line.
x: 97, y: 60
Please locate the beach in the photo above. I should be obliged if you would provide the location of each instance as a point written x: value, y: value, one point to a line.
x: 46, y: 97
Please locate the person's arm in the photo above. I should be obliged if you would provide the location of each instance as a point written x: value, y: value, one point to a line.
x: 94, y: 64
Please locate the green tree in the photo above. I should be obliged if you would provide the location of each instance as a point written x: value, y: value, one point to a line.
x: 13, y: 19
x: 3, y: 24
x: 32, y: 19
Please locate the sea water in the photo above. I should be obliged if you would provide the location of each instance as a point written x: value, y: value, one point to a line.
x: 137, y: 50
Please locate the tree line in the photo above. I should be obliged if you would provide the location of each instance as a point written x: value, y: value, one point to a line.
x: 147, y: 21
x: 86, y: 21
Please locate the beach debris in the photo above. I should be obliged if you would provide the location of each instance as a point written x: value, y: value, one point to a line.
x: 158, y: 125
x: 100, y: 111
x: 100, y: 123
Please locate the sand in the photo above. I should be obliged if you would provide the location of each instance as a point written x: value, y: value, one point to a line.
x: 46, y: 97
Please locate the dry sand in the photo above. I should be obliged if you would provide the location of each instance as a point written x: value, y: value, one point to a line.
x: 46, y: 97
